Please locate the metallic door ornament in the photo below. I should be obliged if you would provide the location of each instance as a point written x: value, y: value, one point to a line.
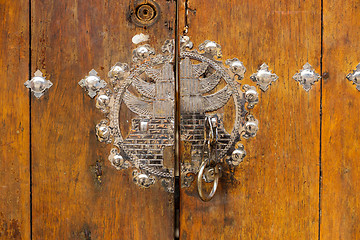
x: 263, y: 77
x: 147, y: 89
x: 92, y: 83
x: 355, y: 77
x: 236, y: 67
x: 307, y: 76
x: 200, y: 74
x: 38, y: 84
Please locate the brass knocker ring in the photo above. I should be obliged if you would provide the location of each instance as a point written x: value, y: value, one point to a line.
x: 217, y: 171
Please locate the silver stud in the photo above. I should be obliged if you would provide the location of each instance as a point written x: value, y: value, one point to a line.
x: 251, y: 127
x: 263, y: 77
x: 118, y: 72
x: 117, y: 160
x: 185, y: 43
x: 92, y: 83
x: 143, y: 52
x: 38, y: 84
x: 307, y: 76
x: 251, y: 96
x: 355, y: 77
x: 211, y: 48
x: 238, y: 155
x: 103, y: 132
x: 236, y: 67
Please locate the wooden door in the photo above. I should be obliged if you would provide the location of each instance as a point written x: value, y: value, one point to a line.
x: 274, y: 192
x: 299, y: 179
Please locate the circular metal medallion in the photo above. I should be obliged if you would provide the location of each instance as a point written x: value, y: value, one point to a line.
x: 147, y: 91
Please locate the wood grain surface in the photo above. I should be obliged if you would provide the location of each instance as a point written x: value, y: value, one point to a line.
x: 14, y: 118
x: 77, y: 194
x: 274, y: 193
x: 340, y: 207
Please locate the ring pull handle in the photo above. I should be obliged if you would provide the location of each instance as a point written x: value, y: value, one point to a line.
x: 210, y: 168
x: 217, y: 173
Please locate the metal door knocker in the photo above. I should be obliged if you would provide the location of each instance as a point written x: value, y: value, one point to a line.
x: 203, y: 107
x: 210, y: 164
x: 146, y: 89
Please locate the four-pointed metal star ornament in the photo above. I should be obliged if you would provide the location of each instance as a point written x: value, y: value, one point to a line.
x: 263, y: 77
x: 92, y: 83
x: 38, y: 84
x: 307, y: 76
x: 355, y: 77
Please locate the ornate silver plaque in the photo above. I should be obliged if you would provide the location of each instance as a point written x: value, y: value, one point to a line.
x: 200, y: 75
x: 354, y: 77
x: 147, y: 90
x: 307, y: 76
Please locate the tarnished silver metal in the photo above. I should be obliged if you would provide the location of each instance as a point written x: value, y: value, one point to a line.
x: 200, y: 74
x: 211, y: 48
x: 202, y: 196
x: 146, y: 88
x: 354, y: 77
x: 236, y: 67
x: 210, y: 169
x: 142, y: 52
x: 117, y: 160
x: 92, y: 83
x: 238, y: 155
x: 118, y: 72
x: 307, y: 76
x: 251, y: 96
x: 263, y: 77
x: 38, y: 84
x: 251, y: 127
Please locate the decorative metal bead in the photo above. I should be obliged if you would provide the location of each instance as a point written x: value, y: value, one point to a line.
x: 251, y: 96
x: 251, y: 127
x: 119, y: 71
x: 307, y: 77
x: 92, y: 83
x: 263, y: 77
x: 238, y: 155
x: 211, y: 48
x: 354, y: 77
x: 236, y: 67
x: 142, y: 52
x: 142, y: 179
x: 103, y: 132
x: 38, y: 84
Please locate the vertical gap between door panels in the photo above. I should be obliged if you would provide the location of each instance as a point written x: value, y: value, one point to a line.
x: 177, y: 127
x: 321, y: 101
x: 30, y: 124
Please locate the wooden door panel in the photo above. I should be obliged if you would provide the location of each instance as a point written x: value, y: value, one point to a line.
x: 274, y: 193
x: 340, y: 206
x: 77, y: 194
x: 14, y: 117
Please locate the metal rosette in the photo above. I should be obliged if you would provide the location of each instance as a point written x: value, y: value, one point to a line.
x: 147, y: 90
